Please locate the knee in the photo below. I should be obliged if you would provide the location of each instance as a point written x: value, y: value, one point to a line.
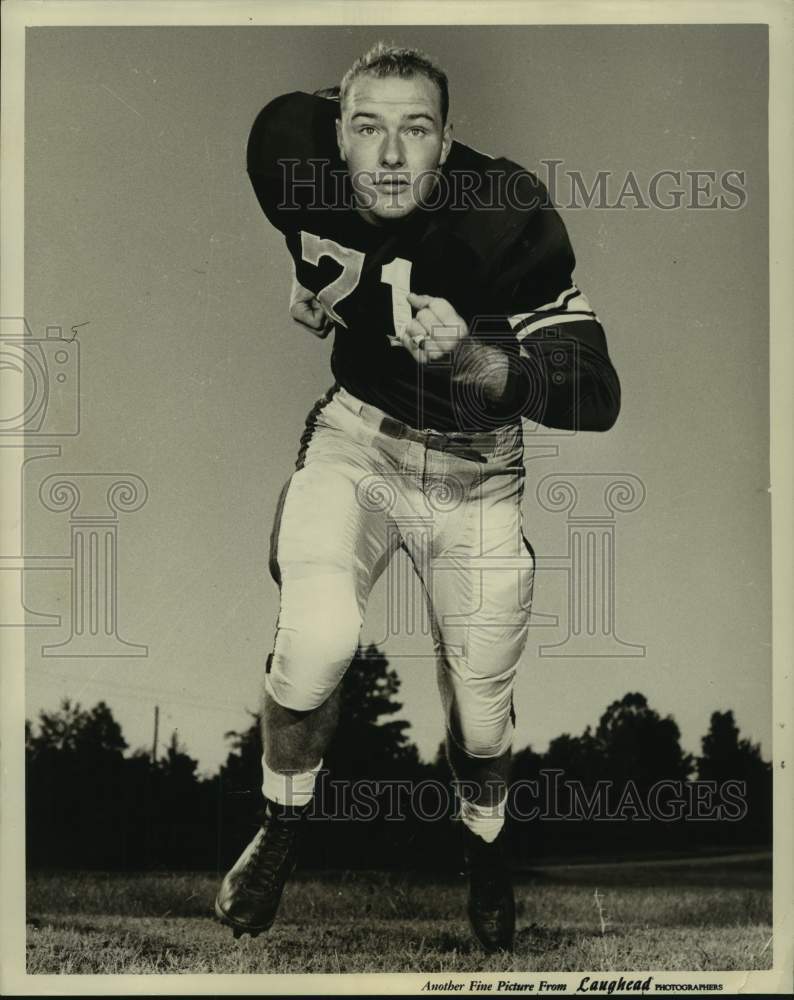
x: 479, y: 714
x: 482, y: 741
x: 312, y: 651
x: 497, y: 629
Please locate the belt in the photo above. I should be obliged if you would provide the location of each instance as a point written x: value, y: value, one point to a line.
x: 465, y: 445
x: 436, y: 440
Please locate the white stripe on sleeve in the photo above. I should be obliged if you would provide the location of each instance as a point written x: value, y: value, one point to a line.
x: 572, y: 300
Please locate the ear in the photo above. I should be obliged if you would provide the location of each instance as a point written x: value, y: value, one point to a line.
x: 446, y: 142
x: 339, y: 140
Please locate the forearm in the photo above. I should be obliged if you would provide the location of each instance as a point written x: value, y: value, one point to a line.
x: 582, y: 395
x: 489, y: 372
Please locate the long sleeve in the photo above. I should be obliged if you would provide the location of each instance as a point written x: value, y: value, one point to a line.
x: 565, y: 372
x: 561, y: 372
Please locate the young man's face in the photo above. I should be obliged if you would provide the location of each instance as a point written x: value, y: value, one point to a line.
x: 392, y: 139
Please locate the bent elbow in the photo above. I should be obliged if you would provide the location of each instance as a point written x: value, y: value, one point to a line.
x: 604, y: 413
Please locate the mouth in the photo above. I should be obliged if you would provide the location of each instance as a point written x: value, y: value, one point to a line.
x: 392, y: 185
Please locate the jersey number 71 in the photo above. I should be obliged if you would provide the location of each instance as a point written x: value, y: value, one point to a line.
x: 397, y: 274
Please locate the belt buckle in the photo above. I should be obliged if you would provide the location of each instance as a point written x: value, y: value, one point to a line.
x: 349, y: 401
x: 438, y: 441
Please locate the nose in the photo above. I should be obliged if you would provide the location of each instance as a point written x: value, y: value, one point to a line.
x: 392, y: 153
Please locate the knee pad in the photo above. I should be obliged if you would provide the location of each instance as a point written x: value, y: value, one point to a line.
x: 317, y: 636
x: 478, y: 709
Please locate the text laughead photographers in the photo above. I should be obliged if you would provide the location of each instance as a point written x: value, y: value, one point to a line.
x: 551, y: 797
x: 461, y: 190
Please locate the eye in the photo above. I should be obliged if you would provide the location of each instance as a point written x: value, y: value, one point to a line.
x: 367, y: 130
x: 417, y: 130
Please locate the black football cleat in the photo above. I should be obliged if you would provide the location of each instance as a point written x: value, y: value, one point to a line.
x: 250, y: 894
x: 491, y: 906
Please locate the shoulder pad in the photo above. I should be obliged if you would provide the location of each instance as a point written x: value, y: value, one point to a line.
x: 493, y: 203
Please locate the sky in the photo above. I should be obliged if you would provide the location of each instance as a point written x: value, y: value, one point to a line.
x: 143, y: 234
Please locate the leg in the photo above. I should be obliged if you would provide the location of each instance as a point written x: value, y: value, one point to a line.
x: 479, y: 590
x: 326, y: 550
x: 487, y: 777
x: 296, y: 741
x: 481, y: 620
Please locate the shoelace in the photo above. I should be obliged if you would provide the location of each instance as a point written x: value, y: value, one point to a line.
x: 270, y: 854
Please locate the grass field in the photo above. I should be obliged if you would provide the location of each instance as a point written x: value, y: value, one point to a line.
x: 705, y: 914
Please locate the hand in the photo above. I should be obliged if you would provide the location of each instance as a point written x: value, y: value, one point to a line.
x: 436, y: 329
x: 305, y: 309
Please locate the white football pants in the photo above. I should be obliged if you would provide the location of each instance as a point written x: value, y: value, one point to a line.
x: 358, y: 495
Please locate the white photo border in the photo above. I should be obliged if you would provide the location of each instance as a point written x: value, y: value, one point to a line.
x: 17, y: 15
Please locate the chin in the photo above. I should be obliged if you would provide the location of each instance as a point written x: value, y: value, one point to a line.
x: 393, y: 210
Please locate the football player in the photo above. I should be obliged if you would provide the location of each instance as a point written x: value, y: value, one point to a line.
x: 446, y: 278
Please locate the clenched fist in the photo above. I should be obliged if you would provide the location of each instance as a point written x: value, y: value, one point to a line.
x: 305, y: 309
x: 435, y: 330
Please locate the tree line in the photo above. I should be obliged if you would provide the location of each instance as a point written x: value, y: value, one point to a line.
x: 624, y: 787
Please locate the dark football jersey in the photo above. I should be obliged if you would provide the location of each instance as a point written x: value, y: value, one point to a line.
x: 490, y: 244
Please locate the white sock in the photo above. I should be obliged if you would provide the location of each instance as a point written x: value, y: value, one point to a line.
x: 483, y: 821
x: 289, y: 789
